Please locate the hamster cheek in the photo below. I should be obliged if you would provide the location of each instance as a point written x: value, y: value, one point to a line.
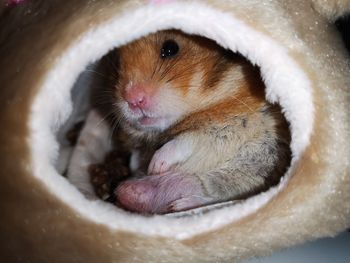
x: 157, y: 194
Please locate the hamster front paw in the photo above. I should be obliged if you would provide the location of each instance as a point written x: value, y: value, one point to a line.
x: 170, y: 154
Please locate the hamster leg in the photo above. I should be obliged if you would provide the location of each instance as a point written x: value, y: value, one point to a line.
x: 170, y: 154
x: 254, y: 169
x: 92, y: 146
x: 171, y: 192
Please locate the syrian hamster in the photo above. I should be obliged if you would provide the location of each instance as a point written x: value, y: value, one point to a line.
x: 195, y: 118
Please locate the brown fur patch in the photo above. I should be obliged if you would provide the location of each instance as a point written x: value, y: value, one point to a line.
x: 140, y: 61
x: 247, y: 100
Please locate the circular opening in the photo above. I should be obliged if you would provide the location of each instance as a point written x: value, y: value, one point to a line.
x: 230, y: 33
x: 173, y: 122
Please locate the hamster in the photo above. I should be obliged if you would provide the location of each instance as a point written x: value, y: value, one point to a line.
x: 197, y: 123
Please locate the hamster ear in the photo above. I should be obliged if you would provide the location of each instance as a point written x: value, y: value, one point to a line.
x: 332, y: 9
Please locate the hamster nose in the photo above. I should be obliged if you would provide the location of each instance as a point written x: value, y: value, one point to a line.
x: 137, y: 104
x: 137, y: 98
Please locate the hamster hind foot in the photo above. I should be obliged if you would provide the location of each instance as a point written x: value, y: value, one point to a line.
x: 171, y: 192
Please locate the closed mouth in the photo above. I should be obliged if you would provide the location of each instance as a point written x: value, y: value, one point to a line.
x: 147, y: 121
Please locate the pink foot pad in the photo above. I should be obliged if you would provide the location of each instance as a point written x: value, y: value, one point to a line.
x: 157, y: 194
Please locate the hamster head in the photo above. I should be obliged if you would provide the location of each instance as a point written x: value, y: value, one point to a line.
x: 166, y: 76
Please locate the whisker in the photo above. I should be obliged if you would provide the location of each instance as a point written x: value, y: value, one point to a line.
x: 159, y: 65
x: 114, y: 124
x: 243, y: 103
x: 169, y: 67
x: 186, y: 71
x: 96, y: 72
x: 112, y: 62
x: 104, y: 118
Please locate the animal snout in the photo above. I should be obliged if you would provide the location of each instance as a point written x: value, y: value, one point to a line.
x: 138, y: 97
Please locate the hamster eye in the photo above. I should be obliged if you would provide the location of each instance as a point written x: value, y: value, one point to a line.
x: 169, y: 49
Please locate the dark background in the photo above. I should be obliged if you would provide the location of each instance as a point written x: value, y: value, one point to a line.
x: 343, y: 25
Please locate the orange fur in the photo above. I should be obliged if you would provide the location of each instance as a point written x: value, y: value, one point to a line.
x: 140, y: 64
x: 245, y: 102
x: 180, y: 96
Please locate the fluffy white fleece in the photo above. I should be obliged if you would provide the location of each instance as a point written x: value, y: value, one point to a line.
x: 51, y: 107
